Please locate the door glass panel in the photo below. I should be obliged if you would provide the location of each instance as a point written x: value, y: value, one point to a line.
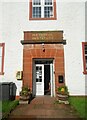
x: 38, y: 74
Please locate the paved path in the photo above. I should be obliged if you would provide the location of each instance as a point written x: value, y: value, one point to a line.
x: 0, y: 115
x: 43, y: 107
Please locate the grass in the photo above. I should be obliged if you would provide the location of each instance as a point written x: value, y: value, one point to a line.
x: 0, y: 106
x: 7, y: 106
x: 80, y: 104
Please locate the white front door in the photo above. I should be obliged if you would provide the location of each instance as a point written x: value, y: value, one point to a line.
x: 39, y: 79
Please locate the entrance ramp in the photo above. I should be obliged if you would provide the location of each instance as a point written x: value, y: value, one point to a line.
x: 43, y: 100
x: 43, y: 107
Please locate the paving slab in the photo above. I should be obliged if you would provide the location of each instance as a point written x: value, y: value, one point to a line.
x: 43, y: 107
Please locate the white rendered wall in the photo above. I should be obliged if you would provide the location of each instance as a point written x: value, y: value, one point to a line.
x: 70, y: 19
x: 86, y: 41
x: 74, y: 34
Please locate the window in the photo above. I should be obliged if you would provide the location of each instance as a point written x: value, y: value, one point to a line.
x: 84, y: 47
x: 2, y: 45
x: 42, y: 9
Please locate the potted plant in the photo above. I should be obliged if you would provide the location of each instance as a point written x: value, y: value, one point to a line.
x: 62, y: 94
x: 25, y: 94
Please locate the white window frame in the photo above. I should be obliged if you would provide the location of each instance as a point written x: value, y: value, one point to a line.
x: 42, y: 8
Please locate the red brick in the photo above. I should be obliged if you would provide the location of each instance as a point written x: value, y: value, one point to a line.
x: 59, y: 53
x: 52, y: 52
x: 38, y: 52
x: 38, y: 46
x: 27, y: 61
x: 27, y: 55
x: 47, y: 53
x: 61, y: 69
x: 33, y: 52
x: 27, y: 67
x: 59, y: 59
x: 59, y: 64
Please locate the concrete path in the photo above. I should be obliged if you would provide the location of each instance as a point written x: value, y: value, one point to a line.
x: 43, y: 107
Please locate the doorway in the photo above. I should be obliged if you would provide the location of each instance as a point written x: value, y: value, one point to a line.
x: 47, y: 89
x: 43, y: 80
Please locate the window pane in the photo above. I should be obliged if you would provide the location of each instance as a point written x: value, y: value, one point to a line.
x: 36, y: 12
x: 40, y: 80
x: 85, y: 49
x: 48, y: 12
x: 0, y: 51
x: 40, y: 77
x: 36, y: 68
x: 48, y: 2
x: 86, y: 56
x: 0, y: 63
x: 86, y: 61
x: 36, y: 80
x: 0, y: 58
x: 36, y: 2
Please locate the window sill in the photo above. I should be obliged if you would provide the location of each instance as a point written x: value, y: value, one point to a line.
x: 85, y: 72
x: 1, y: 73
x: 43, y: 18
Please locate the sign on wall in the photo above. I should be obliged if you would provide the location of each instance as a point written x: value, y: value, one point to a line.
x: 43, y: 35
x: 47, y: 37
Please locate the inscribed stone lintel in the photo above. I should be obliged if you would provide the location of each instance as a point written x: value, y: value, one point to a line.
x: 43, y: 35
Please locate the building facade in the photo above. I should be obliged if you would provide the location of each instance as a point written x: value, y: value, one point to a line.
x: 43, y: 45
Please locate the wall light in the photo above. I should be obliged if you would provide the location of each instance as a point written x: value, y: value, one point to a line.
x: 43, y: 47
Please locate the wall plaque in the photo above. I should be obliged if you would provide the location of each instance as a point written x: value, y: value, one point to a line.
x: 47, y: 37
x: 43, y: 35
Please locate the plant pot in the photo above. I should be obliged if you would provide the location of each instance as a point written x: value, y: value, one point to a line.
x: 24, y: 98
x: 62, y: 96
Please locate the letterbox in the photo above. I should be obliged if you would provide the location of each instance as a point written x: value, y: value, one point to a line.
x: 61, y: 79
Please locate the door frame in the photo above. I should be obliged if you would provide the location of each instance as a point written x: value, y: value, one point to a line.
x: 42, y: 61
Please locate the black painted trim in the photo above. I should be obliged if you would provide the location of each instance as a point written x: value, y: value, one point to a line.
x: 23, y: 42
